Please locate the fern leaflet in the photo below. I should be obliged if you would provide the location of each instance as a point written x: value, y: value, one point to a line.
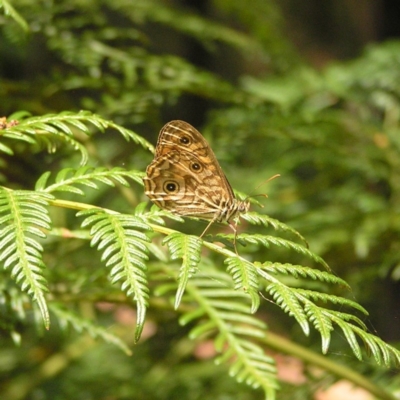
x: 49, y: 127
x: 222, y: 311
x: 187, y: 248
x: 267, y: 240
x: 286, y: 299
x: 23, y: 217
x: 120, y: 238
x: 301, y: 271
x: 245, y: 276
x: 258, y: 219
x: 67, y: 178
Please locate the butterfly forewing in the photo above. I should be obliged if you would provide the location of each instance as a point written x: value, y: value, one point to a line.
x: 186, y: 179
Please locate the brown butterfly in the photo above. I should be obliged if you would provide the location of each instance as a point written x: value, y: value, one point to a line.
x: 186, y: 179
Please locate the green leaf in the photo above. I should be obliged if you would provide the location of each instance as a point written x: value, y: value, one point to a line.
x: 302, y: 271
x: 222, y: 313
x: 53, y: 129
x: 23, y: 219
x: 245, y: 276
x: 124, y: 248
x: 67, y: 179
x: 188, y: 249
x: 266, y: 241
x: 258, y: 219
x: 321, y: 322
x: 286, y: 299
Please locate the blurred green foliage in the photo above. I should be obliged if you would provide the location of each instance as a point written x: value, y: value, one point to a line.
x: 332, y: 134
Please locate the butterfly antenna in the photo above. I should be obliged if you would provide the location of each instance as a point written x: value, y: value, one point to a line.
x: 261, y: 184
x: 269, y: 179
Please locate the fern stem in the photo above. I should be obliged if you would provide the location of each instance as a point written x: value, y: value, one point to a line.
x: 76, y: 205
x: 283, y: 345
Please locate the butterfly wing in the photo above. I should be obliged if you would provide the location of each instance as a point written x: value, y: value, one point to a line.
x: 179, y: 182
x: 181, y: 136
x: 186, y: 178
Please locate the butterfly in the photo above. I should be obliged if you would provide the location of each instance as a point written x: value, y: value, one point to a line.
x: 186, y: 179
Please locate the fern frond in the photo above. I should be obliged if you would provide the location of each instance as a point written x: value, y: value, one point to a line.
x: 323, y: 319
x: 14, y: 134
x: 67, y: 178
x: 285, y: 297
x: 23, y: 218
x: 49, y: 127
x: 301, y: 298
x: 266, y: 241
x: 120, y: 238
x: 245, y: 276
x: 186, y: 247
x: 67, y: 317
x: 128, y: 134
x: 258, y: 219
x: 223, y: 312
x: 297, y: 302
x: 155, y: 215
x: 379, y: 348
x: 322, y: 323
x: 312, y: 294
x: 302, y: 271
x: 9, y: 10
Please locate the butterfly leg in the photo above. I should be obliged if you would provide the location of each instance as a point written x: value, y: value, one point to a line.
x: 234, y: 228
x: 207, y: 227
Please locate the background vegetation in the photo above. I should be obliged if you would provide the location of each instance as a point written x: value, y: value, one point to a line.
x: 276, y: 90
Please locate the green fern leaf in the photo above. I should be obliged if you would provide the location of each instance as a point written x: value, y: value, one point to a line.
x: 223, y: 312
x: 47, y: 129
x: 348, y: 331
x: 23, y: 218
x: 188, y: 249
x: 51, y: 127
x: 156, y: 214
x: 245, y: 276
x: 287, y: 300
x: 302, y: 271
x: 258, y: 219
x: 321, y: 322
x: 129, y: 135
x: 266, y: 241
x: 120, y: 238
x: 311, y: 294
x: 17, y: 134
x: 67, y: 178
x: 382, y: 352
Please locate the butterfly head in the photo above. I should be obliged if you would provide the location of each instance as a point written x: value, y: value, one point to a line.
x: 243, y: 206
